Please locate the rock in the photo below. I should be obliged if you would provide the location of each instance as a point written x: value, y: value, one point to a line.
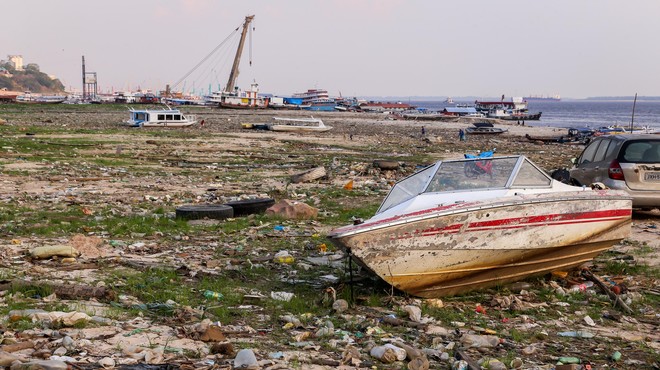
x: 414, y: 313
x: 438, y: 330
x: 106, y: 363
x: 6, y: 359
x: 292, y: 209
x: 224, y: 348
x: 340, y: 305
x: 88, y: 246
x: 68, y: 343
x: 212, y: 334
x: 41, y: 365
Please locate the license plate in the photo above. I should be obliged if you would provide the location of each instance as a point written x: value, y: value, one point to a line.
x: 652, y: 176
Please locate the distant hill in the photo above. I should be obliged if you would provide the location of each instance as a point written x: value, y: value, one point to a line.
x: 623, y: 98
x: 30, y: 79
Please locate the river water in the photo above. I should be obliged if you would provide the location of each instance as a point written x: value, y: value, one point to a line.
x: 582, y: 113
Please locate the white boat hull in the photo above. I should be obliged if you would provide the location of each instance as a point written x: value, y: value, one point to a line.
x: 452, y: 249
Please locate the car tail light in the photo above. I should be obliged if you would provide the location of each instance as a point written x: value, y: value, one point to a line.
x: 615, y: 171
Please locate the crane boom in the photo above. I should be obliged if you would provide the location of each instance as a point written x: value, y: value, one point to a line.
x: 237, y: 59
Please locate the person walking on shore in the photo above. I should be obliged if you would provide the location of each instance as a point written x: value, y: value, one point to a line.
x: 461, y: 135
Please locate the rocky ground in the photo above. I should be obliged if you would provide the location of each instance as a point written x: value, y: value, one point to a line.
x: 98, y: 272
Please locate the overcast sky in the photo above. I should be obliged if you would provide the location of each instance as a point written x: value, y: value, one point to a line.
x: 576, y: 48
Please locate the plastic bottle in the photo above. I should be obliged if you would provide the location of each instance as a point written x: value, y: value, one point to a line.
x: 384, y: 354
x: 480, y: 341
x: 209, y: 294
x: 400, y: 352
x: 569, y: 360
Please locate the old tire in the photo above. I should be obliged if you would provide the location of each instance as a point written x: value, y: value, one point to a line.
x: 250, y: 206
x: 201, y: 211
x: 386, y: 165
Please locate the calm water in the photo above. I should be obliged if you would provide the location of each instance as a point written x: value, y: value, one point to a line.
x: 581, y: 113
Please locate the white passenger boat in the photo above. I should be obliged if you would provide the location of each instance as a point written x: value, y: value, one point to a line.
x: 159, y: 118
x: 298, y: 124
x: 468, y: 224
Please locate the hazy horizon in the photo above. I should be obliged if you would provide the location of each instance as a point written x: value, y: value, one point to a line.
x: 397, y: 48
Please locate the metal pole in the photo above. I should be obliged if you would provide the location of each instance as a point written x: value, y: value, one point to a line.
x: 84, y: 93
x: 633, y: 114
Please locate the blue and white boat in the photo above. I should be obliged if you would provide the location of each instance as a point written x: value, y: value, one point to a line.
x: 159, y: 118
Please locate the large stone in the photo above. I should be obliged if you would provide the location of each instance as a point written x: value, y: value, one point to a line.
x: 292, y: 209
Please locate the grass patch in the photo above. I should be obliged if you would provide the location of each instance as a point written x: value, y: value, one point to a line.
x: 625, y: 268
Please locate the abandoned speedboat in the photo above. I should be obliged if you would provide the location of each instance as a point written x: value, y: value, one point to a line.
x: 298, y: 124
x: 460, y: 225
x: 159, y: 118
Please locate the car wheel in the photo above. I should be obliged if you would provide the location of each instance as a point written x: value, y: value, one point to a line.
x: 200, y: 211
x: 250, y: 206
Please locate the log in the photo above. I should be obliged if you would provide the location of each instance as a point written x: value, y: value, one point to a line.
x: 17, y: 346
x: 461, y: 355
x: 63, y: 291
x: 309, y: 175
x: 398, y: 322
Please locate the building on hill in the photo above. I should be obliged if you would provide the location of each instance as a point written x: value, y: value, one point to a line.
x: 16, y: 61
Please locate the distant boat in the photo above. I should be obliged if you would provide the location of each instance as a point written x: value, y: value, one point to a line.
x: 28, y: 97
x: 298, y: 124
x: 449, y: 100
x: 515, y: 109
x: 484, y: 128
x: 159, y: 118
x: 317, y: 100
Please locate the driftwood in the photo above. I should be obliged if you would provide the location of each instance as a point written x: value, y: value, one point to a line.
x: 63, y: 291
x: 398, y: 322
x: 616, y: 300
x: 325, y: 362
x: 17, y: 346
x: 461, y: 355
x: 309, y: 175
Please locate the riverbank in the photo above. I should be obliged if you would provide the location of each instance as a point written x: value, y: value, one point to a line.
x: 74, y: 177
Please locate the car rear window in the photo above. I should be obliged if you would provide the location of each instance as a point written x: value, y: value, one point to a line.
x: 640, y: 151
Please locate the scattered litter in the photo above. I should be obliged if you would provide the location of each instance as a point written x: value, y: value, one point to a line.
x: 281, y: 296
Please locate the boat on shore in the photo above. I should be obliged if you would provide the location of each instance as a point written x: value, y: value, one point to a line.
x: 484, y: 128
x: 429, y: 116
x: 514, y: 110
x: 159, y: 118
x: 298, y: 124
x: 461, y: 225
x: 28, y: 97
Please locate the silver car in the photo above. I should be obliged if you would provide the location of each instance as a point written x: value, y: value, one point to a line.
x: 629, y: 162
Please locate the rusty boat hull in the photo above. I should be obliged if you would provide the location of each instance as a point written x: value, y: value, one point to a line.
x: 453, y: 248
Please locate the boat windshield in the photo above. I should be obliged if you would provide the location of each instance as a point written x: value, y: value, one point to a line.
x: 407, y: 188
x: 468, y: 175
x: 483, y: 173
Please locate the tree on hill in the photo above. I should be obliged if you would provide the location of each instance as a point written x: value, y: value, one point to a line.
x: 30, y: 79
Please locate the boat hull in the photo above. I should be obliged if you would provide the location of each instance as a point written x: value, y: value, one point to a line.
x: 451, y: 252
x: 287, y: 128
x: 522, y: 117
